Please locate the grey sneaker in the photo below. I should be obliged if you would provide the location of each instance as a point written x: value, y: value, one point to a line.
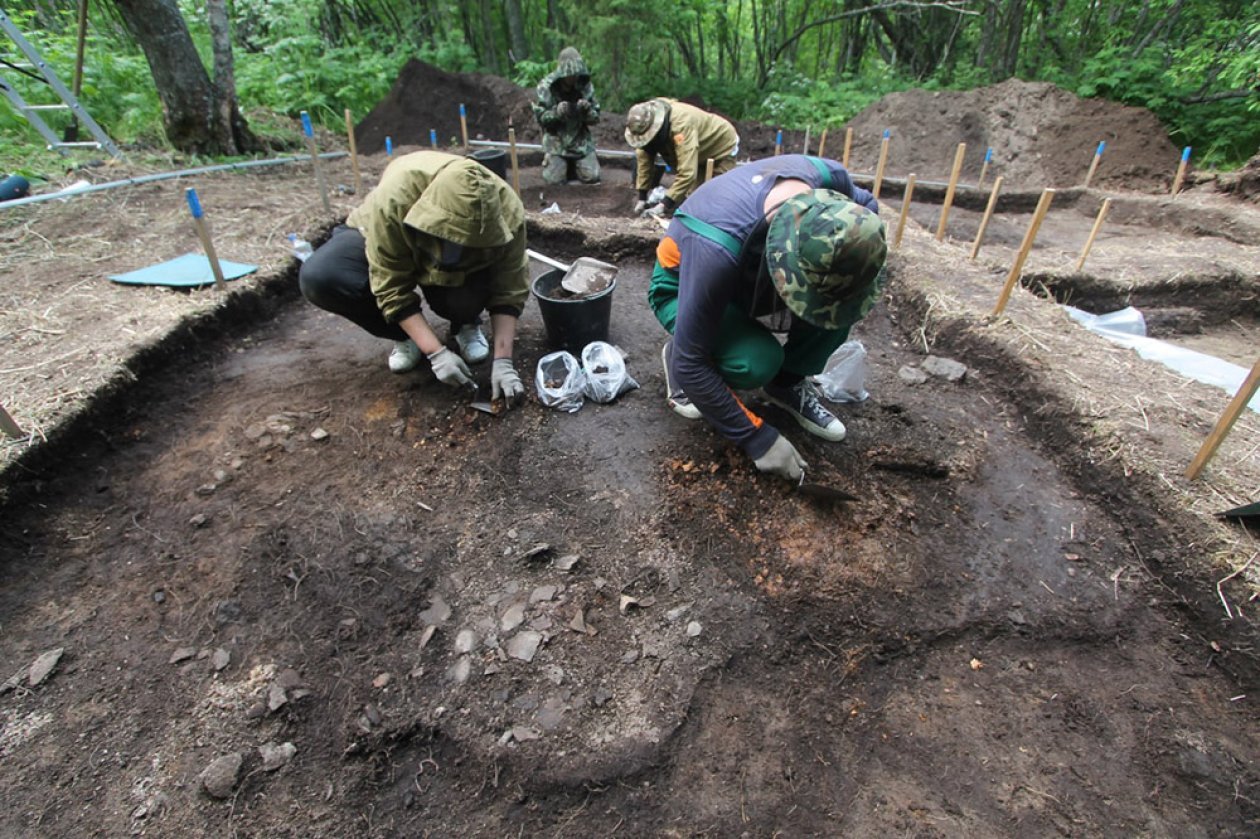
x: 404, y: 356
x: 472, y: 343
x: 802, y: 402
x: 673, y: 395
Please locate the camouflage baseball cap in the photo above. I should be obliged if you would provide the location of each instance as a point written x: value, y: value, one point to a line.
x: 824, y: 251
x: 644, y: 120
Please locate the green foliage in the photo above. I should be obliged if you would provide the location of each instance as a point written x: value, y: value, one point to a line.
x: 795, y: 101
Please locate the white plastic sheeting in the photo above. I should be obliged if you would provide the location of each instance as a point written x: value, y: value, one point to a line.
x: 1127, y: 328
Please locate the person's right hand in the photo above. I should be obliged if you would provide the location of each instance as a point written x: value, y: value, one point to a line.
x: 562, y: 110
x: 782, y: 459
x: 450, y: 369
x: 583, y: 106
x: 640, y: 206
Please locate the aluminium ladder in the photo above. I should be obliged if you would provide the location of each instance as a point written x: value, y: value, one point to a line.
x: 68, y: 100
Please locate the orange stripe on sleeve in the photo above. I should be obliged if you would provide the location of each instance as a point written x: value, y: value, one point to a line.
x: 753, y: 418
x: 667, y: 253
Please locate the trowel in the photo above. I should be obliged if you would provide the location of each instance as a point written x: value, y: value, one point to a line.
x: 822, y: 492
x: 482, y: 401
x: 584, y: 277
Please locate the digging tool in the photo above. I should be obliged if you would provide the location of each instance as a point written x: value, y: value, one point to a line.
x: 822, y: 492
x: 482, y: 401
x: 585, y: 276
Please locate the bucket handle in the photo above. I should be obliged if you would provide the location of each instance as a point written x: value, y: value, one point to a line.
x: 546, y: 260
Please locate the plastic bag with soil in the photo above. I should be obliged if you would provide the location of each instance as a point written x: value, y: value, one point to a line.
x: 605, y: 370
x: 560, y: 381
x: 844, y: 377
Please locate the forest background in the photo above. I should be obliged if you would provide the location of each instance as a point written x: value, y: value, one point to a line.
x: 151, y: 66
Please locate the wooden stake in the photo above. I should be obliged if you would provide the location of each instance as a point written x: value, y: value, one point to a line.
x: 319, y: 171
x: 984, y: 168
x: 949, y: 191
x: 1047, y: 195
x: 778, y: 142
x: 905, y: 210
x: 708, y: 170
x: 516, y: 172
x: 203, y: 233
x: 883, y: 159
x: 1098, y: 222
x: 1226, y: 422
x: 1093, y: 165
x: 1181, y: 170
x: 354, y: 155
x: 805, y: 149
x: 8, y: 426
x: 463, y: 125
x: 988, y: 213
x: 822, y: 141
x: 848, y: 145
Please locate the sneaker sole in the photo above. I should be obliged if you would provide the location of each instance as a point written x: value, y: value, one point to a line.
x: 812, y: 427
x: 684, y: 409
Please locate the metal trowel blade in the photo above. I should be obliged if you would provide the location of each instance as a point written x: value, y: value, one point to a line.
x: 823, y: 492
x: 482, y: 402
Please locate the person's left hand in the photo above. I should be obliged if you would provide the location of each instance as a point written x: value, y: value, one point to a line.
x: 583, y: 106
x: 562, y: 110
x: 505, y: 384
x: 657, y: 211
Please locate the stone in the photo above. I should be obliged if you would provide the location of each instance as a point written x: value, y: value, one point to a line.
x: 600, y: 697
x: 523, y: 733
x: 565, y: 563
x: 543, y: 593
x: 538, y: 553
x: 427, y: 635
x: 256, y: 710
x: 319, y: 434
x: 198, y: 520
x: 912, y: 375
x: 219, y: 778
x: 460, y: 670
x: 276, y: 698
x: 693, y: 629
x: 182, y: 654
x: 513, y: 617
x: 465, y: 641
x: 206, y: 489
x: 677, y: 612
x: 43, y: 666
x: 273, y: 756
x: 289, y: 678
x: 382, y: 681
x: 438, y: 612
x: 524, y: 645
x: 220, y: 659
x: 944, y: 368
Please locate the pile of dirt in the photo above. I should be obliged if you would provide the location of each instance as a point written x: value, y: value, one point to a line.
x: 1041, y: 135
x: 1245, y: 183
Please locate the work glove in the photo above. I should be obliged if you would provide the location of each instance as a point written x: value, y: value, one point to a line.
x: 583, y: 106
x: 782, y: 459
x: 450, y: 369
x: 562, y: 110
x: 640, y: 206
x: 505, y: 384
x: 665, y: 209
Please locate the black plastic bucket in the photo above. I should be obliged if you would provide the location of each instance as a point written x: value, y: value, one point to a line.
x: 572, y: 322
x: 493, y: 159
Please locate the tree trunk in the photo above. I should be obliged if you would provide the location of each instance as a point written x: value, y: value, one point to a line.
x: 516, y: 30
x: 229, y: 115
x: 192, y: 116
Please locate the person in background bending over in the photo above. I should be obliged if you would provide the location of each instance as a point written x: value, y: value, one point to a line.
x: 566, y: 109
x: 685, y: 138
x: 788, y: 239
x: 439, y: 229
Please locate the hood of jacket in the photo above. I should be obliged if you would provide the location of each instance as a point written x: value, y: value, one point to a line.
x: 464, y: 203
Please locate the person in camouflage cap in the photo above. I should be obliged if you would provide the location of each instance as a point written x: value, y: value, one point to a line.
x: 566, y: 109
x: 784, y: 244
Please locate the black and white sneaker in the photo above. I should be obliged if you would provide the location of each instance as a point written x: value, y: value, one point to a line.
x: 673, y: 395
x: 802, y: 402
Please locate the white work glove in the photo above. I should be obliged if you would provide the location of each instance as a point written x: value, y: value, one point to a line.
x: 782, y: 459
x: 562, y: 110
x: 640, y: 206
x: 655, y: 211
x: 505, y: 384
x: 450, y: 369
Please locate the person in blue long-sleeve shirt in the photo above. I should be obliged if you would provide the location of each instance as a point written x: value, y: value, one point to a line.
x: 788, y: 238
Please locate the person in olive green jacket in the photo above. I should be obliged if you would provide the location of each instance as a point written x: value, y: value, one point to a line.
x: 683, y: 136
x: 439, y: 229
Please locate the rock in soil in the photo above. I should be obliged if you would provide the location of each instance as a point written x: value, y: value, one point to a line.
x: 944, y: 368
x: 44, y: 665
x: 219, y: 778
x: 274, y: 756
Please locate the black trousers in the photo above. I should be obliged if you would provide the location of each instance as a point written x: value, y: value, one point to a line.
x: 335, y: 278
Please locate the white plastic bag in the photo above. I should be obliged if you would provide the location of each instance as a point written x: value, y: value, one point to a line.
x: 605, y: 371
x: 560, y: 381
x: 844, y: 378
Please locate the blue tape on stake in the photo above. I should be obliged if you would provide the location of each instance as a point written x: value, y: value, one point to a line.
x: 1185, y: 153
x: 988, y: 155
x: 887, y: 133
x: 1102, y: 144
x: 389, y: 146
x: 462, y: 112
x: 306, y: 125
x: 193, y: 203
x: 433, y: 137
x: 778, y: 137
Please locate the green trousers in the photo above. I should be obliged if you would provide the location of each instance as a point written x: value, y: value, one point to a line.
x: 748, y: 355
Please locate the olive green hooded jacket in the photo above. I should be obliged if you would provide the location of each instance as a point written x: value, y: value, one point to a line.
x: 569, y: 135
x: 427, y: 198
